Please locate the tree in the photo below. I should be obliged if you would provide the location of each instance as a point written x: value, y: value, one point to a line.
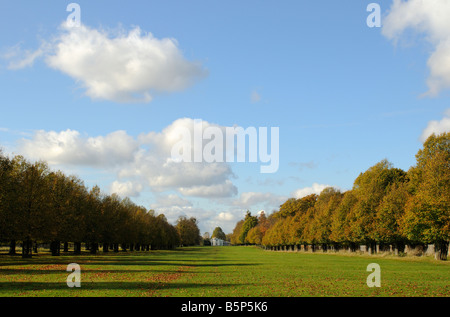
x: 427, y: 216
x: 218, y: 233
x: 40, y: 205
x: 30, y: 201
x: 8, y: 223
x: 188, y: 231
x: 327, y: 202
x: 369, y: 188
x: 60, y: 210
x: 340, y: 220
x: 256, y: 234
x: 235, y: 236
x: 389, y: 217
x: 249, y: 222
x: 293, y: 206
x: 93, y: 218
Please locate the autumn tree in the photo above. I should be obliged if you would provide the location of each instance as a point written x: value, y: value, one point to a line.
x: 389, y: 217
x: 256, y: 234
x: 427, y: 216
x: 235, y: 236
x: 188, y: 231
x: 320, y: 230
x: 219, y: 234
x: 249, y: 222
x: 8, y: 186
x: 60, y: 210
x: 30, y: 201
x: 340, y: 221
x: 369, y: 188
x: 93, y: 219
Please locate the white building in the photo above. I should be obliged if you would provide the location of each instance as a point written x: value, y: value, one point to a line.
x: 215, y: 242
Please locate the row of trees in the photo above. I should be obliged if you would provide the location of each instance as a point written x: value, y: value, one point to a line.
x: 386, y: 207
x: 38, y: 205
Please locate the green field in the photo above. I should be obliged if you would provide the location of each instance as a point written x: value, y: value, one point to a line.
x: 222, y: 271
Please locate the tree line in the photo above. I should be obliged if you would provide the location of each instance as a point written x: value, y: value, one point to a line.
x: 38, y: 205
x: 386, y: 209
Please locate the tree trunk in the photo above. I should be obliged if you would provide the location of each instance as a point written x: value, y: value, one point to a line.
x: 55, y: 247
x: 35, y: 247
x: 93, y: 247
x: 12, y: 247
x: 372, y: 247
x: 77, y: 248
x: 27, y: 249
x: 399, y: 247
x: 441, y: 250
x: 66, y: 247
x: 105, y: 247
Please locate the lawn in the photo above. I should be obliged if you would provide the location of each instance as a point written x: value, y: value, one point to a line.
x: 222, y: 271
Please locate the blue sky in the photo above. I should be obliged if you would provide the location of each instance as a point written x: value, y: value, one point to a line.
x: 343, y: 95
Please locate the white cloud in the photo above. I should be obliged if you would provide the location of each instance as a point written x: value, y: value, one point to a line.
x: 173, y: 206
x: 225, y: 216
x: 139, y: 162
x: 226, y: 220
x: 437, y: 127
x: 249, y: 200
x: 171, y: 200
x: 225, y: 189
x: 159, y: 171
x: 126, y: 189
x: 430, y: 18
x: 69, y: 147
x: 118, y: 67
x: 314, y: 189
x: 22, y: 58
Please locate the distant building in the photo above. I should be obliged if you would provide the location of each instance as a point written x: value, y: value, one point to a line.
x: 215, y: 242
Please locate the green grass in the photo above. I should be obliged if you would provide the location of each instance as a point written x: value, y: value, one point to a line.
x: 222, y: 271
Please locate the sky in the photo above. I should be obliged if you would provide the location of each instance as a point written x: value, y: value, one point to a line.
x: 106, y: 99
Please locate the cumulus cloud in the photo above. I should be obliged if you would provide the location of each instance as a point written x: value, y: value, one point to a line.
x: 225, y: 216
x: 117, y: 66
x: 173, y: 206
x: 70, y: 147
x: 139, y: 162
x: 225, y: 220
x: 225, y: 189
x: 431, y: 19
x: 171, y: 200
x: 247, y: 200
x: 314, y: 189
x: 126, y: 189
x: 437, y: 127
x: 161, y: 172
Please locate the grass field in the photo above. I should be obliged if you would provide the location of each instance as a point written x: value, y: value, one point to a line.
x: 222, y: 271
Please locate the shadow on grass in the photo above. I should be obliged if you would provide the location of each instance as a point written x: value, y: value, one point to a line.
x: 143, y: 286
x: 149, y: 259
x: 6, y: 272
x: 119, y: 263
